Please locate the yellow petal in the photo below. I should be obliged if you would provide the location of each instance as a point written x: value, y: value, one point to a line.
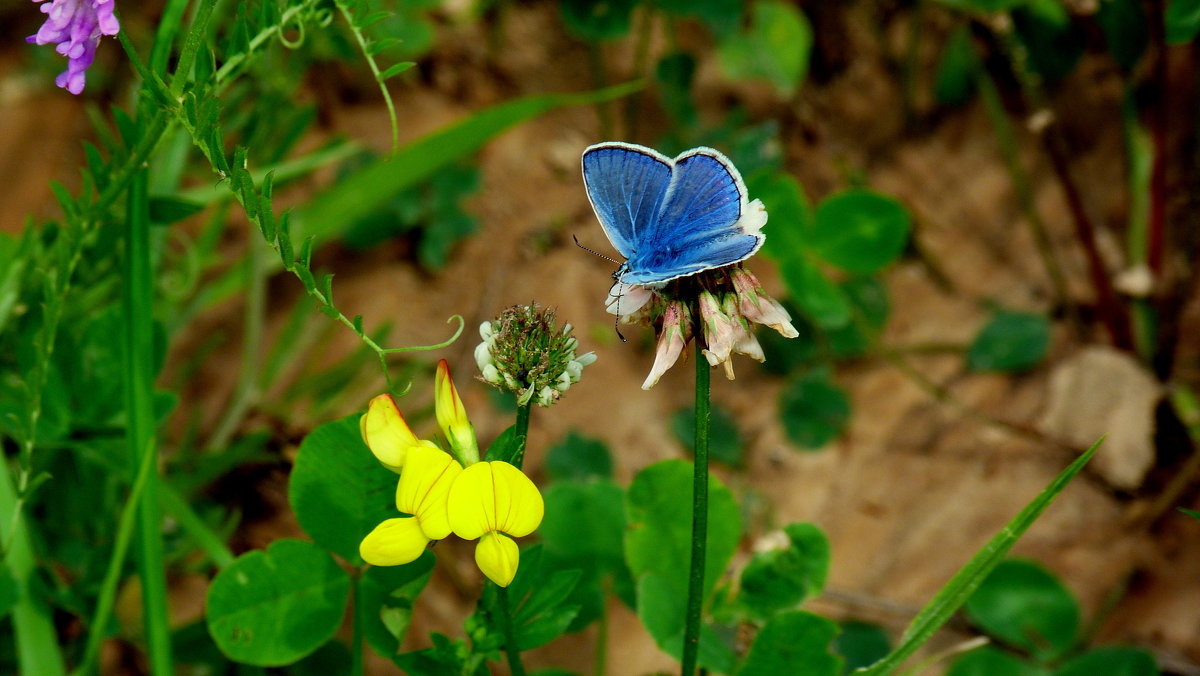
x: 393, y: 542
x: 497, y: 556
x: 452, y: 416
x: 494, y: 496
x: 424, y: 484
x: 386, y: 433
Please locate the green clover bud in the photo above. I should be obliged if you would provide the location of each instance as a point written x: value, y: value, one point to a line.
x: 523, y: 352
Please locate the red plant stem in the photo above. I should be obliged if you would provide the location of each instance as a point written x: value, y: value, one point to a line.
x: 1112, y: 313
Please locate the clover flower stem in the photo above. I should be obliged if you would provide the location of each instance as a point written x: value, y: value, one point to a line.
x: 138, y: 274
x: 523, y: 411
x: 691, y: 631
x: 511, y: 651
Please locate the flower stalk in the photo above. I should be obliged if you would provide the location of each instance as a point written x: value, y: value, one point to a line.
x: 695, y: 602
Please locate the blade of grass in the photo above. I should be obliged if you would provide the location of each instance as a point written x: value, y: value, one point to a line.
x: 948, y: 600
x: 138, y: 275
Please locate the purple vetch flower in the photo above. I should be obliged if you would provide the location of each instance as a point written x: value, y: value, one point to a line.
x: 75, y: 26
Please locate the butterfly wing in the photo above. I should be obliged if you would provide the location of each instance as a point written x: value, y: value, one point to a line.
x: 626, y: 185
x: 703, y: 222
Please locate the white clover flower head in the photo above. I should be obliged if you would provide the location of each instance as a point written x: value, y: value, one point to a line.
x: 523, y: 352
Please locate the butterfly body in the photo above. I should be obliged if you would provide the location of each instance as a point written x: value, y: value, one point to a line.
x: 671, y: 218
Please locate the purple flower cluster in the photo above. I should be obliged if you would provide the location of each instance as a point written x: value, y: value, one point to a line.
x: 75, y: 26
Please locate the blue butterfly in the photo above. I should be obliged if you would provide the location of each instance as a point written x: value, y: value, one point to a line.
x: 671, y: 218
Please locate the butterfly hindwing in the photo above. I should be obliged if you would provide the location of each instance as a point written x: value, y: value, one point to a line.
x: 669, y: 218
x: 626, y: 185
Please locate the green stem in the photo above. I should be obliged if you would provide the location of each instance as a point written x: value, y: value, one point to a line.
x: 116, y: 563
x: 140, y: 430
x: 522, y: 426
x: 511, y: 651
x: 691, y: 631
x: 360, y: 621
x: 36, y: 640
x: 247, y: 391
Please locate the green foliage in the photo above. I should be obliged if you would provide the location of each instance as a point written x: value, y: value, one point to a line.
x: 338, y: 490
x: 782, y: 579
x: 540, y: 609
x: 860, y: 644
x: 1112, y: 661
x: 579, y: 458
x: 794, y: 642
x: 431, y: 211
x: 1182, y: 21
x: 1045, y: 29
x: 275, y: 606
x: 597, y: 20
x: 724, y: 439
x: 1125, y: 30
x: 860, y: 231
x: 992, y: 661
x: 814, y: 410
x: 1024, y: 605
x: 955, y: 81
x: 775, y: 47
x: 658, y: 510
x: 1010, y: 341
x: 385, y: 598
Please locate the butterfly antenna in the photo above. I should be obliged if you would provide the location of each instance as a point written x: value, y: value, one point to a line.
x: 617, y: 319
x: 594, y: 252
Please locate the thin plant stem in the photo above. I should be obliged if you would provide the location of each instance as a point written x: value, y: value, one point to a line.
x: 36, y: 641
x: 511, y: 651
x: 140, y: 427
x: 1007, y: 140
x: 360, y: 621
x: 190, y: 523
x: 691, y: 631
x: 164, y: 39
x: 522, y: 430
x: 602, y: 640
x: 116, y: 563
x: 640, y: 58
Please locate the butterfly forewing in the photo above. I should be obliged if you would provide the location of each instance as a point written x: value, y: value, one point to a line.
x: 626, y: 185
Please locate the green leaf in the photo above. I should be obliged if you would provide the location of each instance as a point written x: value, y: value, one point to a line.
x: 814, y: 410
x: 658, y: 548
x: 1051, y: 38
x: 775, y: 47
x: 782, y: 579
x: 795, y: 642
x: 10, y: 592
x: 860, y: 644
x: 674, y: 74
x: 338, y: 490
x: 596, y: 20
x: 395, y: 70
x: 1111, y: 661
x: 1011, y: 341
x: 984, y: 5
x: 960, y: 587
x: 579, y: 458
x: 386, y: 595
x: 722, y: 16
x: 1182, y: 21
x: 1190, y: 512
x: 369, y: 189
x: 270, y: 608
x: 956, y: 69
x: 870, y: 308
x: 992, y: 661
x: 724, y: 439
x: 584, y: 523
x: 860, y: 231
x: 789, y: 214
x: 1125, y: 30
x: 1026, y: 606
x: 818, y: 298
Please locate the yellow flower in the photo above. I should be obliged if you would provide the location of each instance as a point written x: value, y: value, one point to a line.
x: 492, y: 501
x: 452, y: 417
x: 425, y: 483
x: 386, y: 434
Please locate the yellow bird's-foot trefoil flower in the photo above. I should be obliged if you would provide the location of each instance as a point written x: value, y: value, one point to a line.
x: 493, y: 501
x: 490, y: 501
x: 386, y: 434
x: 425, y: 483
